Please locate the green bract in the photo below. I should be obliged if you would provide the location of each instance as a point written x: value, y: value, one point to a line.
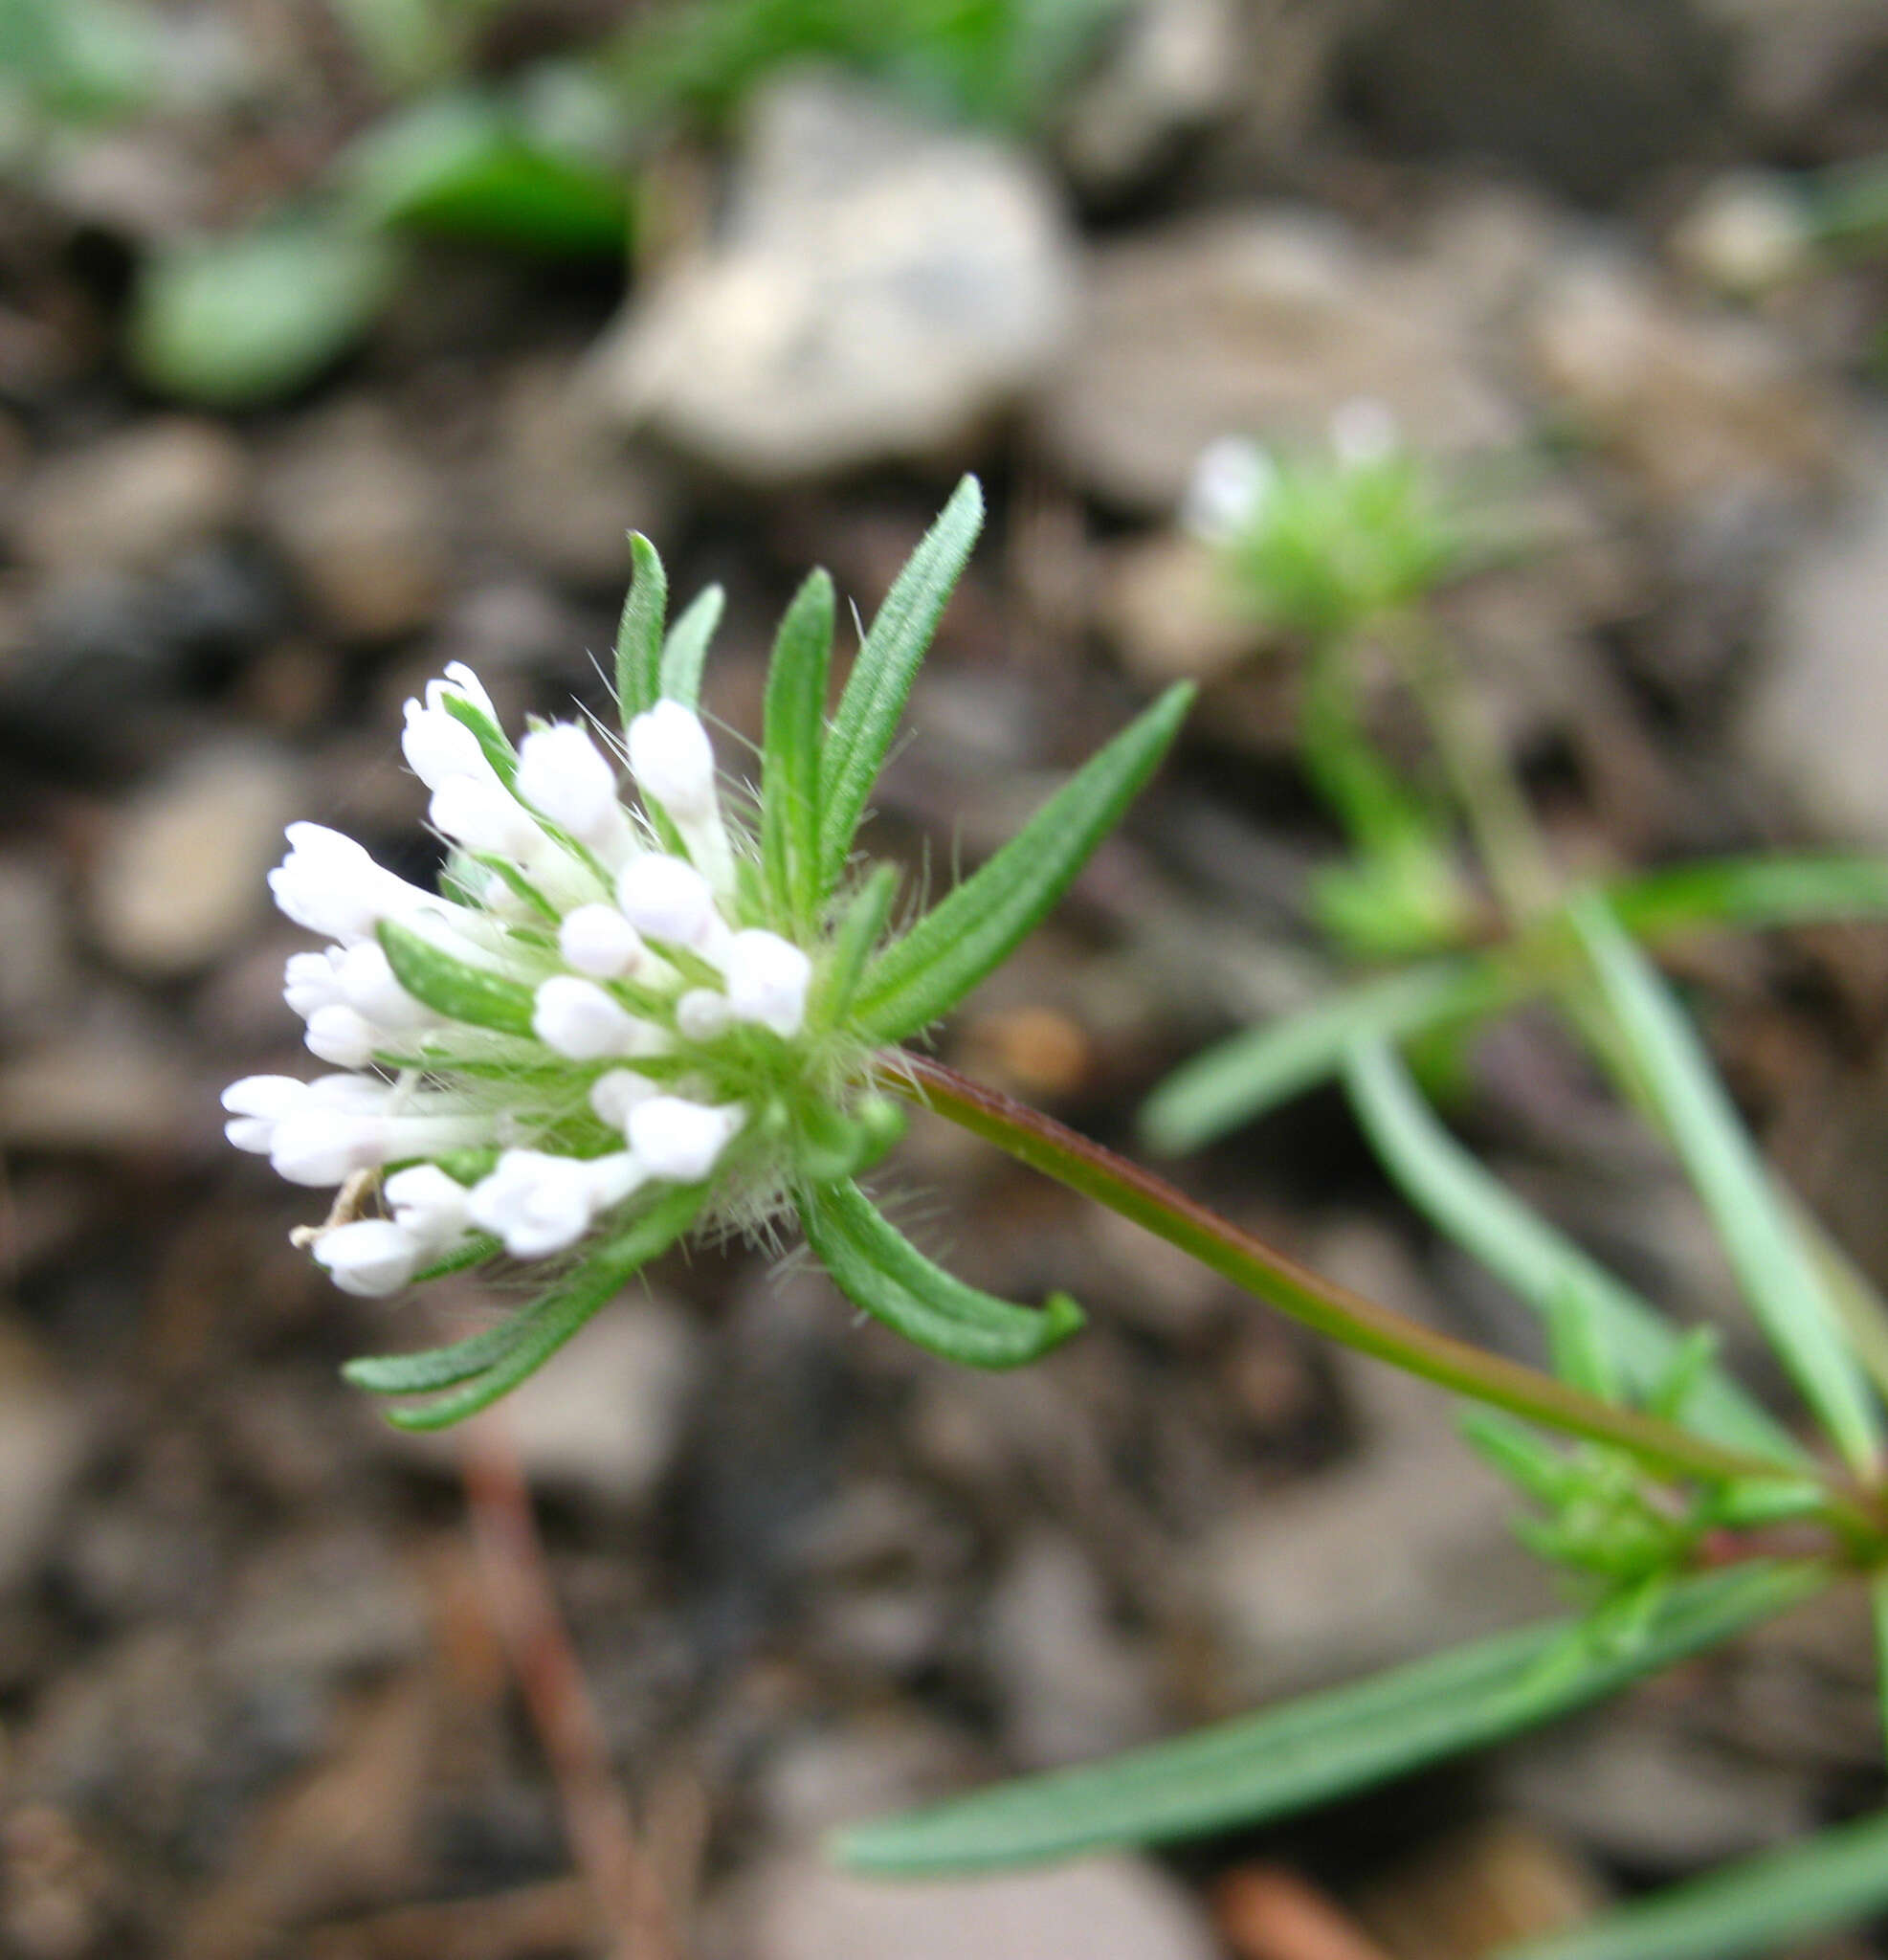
x: 612, y: 1024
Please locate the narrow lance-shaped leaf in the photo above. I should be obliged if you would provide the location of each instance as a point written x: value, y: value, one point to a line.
x: 1461, y: 1200
x: 492, y: 740
x: 873, y: 704
x: 858, y: 931
x: 639, y: 630
x: 686, y: 647
x: 878, y: 1269
x: 551, y: 1322
x: 1756, y: 1906
x: 792, y: 727
x: 973, y: 931
x: 1241, y: 1077
x: 452, y: 986
x: 1777, y: 1275
x: 1323, y: 1745
x: 439, y: 1367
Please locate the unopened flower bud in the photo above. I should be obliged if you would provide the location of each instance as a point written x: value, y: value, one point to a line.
x: 536, y: 1203
x: 483, y: 816
x: 702, y: 1013
x: 438, y: 746
x: 681, y: 1140
x: 343, y: 1036
x: 613, y: 1096
x: 563, y: 776
x: 428, y: 1206
x: 668, y: 899
x: 368, y: 986
x: 597, y: 940
x: 578, y: 1018
x: 313, y: 980
x: 673, y: 762
x: 372, y: 1256
x: 768, y: 978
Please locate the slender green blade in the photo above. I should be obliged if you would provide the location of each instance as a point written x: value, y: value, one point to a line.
x: 878, y: 1269
x: 639, y: 630
x: 490, y: 737
x: 1323, y: 1745
x: 435, y: 1367
x: 918, y: 977
x: 793, y: 723
x: 873, y: 704
x: 1752, y: 891
x: 1774, y: 1269
x: 543, y: 1327
x: 686, y: 648
x: 1466, y: 1205
x: 1243, y: 1077
x: 1834, y: 1880
x: 858, y: 931
x: 454, y: 988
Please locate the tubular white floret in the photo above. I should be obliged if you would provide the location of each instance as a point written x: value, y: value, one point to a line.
x: 438, y: 746
x: 329, y: 884
x: 578, y: 1019
x: 536, y: 1203
x: 667, y: 899
x: 563, y: 776
x: 368, y: 986
x: 321, y: 1144
x: 674, y: 763
x: 343, y: 1036
x: 313, y: 980
x: 371, y: 1256
x: 597, y: 940
x: 428, y: 1206
x: 256, y: 1104
x: 461, y: 680
x: 482, y: 815
x: 768, y: 978
x: 681, y: 1140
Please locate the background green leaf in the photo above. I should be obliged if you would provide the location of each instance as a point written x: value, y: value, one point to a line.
x: 793, y: 722
x: 1775, y: 1272
x: 1285, y: 1759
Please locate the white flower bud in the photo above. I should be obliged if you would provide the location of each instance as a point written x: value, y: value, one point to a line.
x: 256, y: 1104
x: 700, y: 1014
x: 613, y: 1096
x: 768, y: 978
x: 428, y: 1206
x: 329, y: 884
x: 372, y: 1256
x: 668, y: 899
x: 537, y: 1204
x: 597, y: 940
x: 437, y: 747
x: 673, y: 762
x: 681, y: 1140
x: 326, y: 1146
x: 461, y: 680
x: 579, y: 1019
x: 343, y: 1036
x: 368, y: 986
x: 563, y: 776
x: 483, y: 816
x: 1363, y: 431
x: 1230, y: 483
x: 313, y: 980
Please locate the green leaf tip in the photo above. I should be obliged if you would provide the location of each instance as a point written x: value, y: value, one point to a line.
x: 639, y: 630
x: 872, y: 706
x: 976, y: 928
x: 878, y: 1269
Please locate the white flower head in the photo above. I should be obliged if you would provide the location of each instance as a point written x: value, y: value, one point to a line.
x: 597, y: 940
x: 329, y: 884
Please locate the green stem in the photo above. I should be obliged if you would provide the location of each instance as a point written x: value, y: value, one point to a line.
x: 1316, y: 1302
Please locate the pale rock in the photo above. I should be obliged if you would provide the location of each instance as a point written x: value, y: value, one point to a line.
x: 359, y: 518
x: 881, y: 286
x: 1696, y: 405
x: 110, y: 1084
x: 1258, y: 322
x: 135, y: 499
x: 45, y: 1438
x: 1173, y: 610
x: 1813, y: 720
x: 1103, y: 1909
x: 178, y: 883
x: 36, y: 979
